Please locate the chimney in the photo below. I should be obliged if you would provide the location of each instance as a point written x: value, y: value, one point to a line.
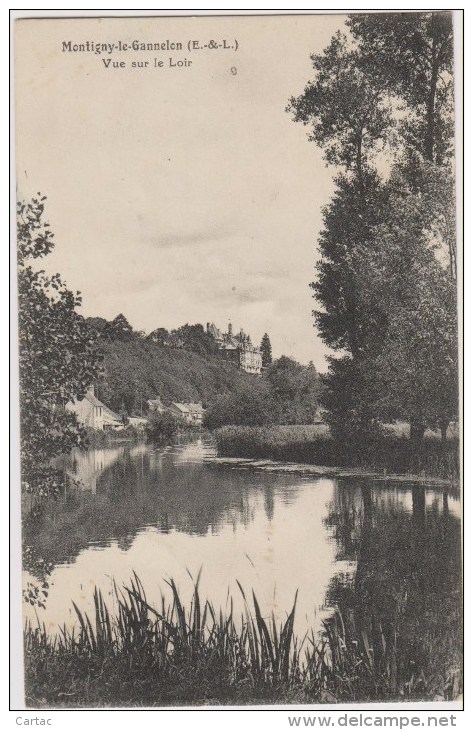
x: 230, y: 329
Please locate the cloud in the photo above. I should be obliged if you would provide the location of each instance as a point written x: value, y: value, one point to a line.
x: 180, y: 239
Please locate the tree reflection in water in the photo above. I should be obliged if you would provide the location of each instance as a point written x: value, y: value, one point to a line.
x: 405, y: 592
x: 165, y: 489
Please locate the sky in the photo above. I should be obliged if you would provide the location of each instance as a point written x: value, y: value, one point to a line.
x: 178, y: 194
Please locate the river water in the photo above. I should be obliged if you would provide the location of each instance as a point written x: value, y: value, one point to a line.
x: 167, y: 512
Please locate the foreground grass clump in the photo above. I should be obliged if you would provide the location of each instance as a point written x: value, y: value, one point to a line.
x: 145, y: 656
x: 314, y: 445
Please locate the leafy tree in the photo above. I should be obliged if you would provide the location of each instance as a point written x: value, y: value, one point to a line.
x: 196, y: 339
x: 266, y: 351
x: 350, y: 119
x: 415, y: 373
x: 347, y: 398
x: 123, y: 414
x: 160, y: 336
x: 118, y: 329
x: 342, y: 320
x: 288, y: 393
x: 251, y: 404
x: 97, y: 323
x: 162, y: 427
x: 58, y: 357
x: 295, y: 390
x: 388, y: 253
x: 344, y: 107
x: 412, y: 53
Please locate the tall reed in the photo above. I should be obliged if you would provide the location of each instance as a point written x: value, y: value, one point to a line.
x: 173, y: 654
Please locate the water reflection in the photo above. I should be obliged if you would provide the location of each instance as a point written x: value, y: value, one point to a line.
x: 388, y: 553
x: 406, y: 586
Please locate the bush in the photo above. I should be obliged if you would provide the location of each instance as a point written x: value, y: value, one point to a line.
x: 287, y: 393
x: 252, y: 404
x: 163, y: 427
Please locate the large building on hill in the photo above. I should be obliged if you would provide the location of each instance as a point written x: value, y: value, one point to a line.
x: 237, y: 348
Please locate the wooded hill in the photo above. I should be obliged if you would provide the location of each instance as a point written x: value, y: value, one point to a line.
x: 136, y: 367
x: 185, y: 365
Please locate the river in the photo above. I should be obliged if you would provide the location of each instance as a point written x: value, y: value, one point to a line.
x: 167, y: 512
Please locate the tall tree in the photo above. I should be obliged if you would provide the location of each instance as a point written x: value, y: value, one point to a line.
x: 414, y: 376
x: 266, y: 351
x: 58, y: 356
x: 295, y: 389
x: 345, y: 107
x: 413, y: 55
x: 342, y: 318
x: 378, y: 268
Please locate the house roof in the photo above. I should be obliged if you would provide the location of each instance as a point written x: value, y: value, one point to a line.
x: 93, y: 400
x: 195, y: 407
x: 183, y: 407
x: 108, y: 413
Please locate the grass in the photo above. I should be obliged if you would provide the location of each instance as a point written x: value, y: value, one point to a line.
x: 178, y: 655
x: 389, y: 452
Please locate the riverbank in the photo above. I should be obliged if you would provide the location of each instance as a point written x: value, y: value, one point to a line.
x: 310, y: 451
x: 99, y: 439
x: 193, y: 655
x: 310, y: 470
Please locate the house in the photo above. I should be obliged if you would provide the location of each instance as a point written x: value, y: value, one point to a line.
x: 192, y: 413
x: 89, y: 410
x: 92, y: 413
x: 237, y: 348
x: 155, y: 405
x: 181, y: 410
x: 197, y: 413
x: 111, y: 421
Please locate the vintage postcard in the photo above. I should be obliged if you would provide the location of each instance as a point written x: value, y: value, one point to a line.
x: 238, y: 352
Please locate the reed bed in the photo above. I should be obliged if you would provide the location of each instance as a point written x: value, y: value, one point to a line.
x: 176, y: 655
x: 387, y: 452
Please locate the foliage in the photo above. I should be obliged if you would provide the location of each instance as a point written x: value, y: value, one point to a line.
x: 383, y: 453
x: 413, y: 55
x: 118, y: 329
x: 58, y: 356
x: 349, y: 401
x: 163, y: 427
x: 191, y: 337
x: 295, y: 389
x: 139, y: 369
x: 251, y: 404
x: 288, y: 392
x: 415, y: 373
x: 195, y: 339
x: 344, y: 107
x: 342, y: 320
x: 386, y: 275
x: 266, y: 351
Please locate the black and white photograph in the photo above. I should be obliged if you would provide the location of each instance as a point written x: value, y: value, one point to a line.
x: 239, y: 274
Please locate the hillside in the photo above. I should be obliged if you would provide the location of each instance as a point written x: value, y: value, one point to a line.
x: 186, y: 365
x: 137, y: 369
